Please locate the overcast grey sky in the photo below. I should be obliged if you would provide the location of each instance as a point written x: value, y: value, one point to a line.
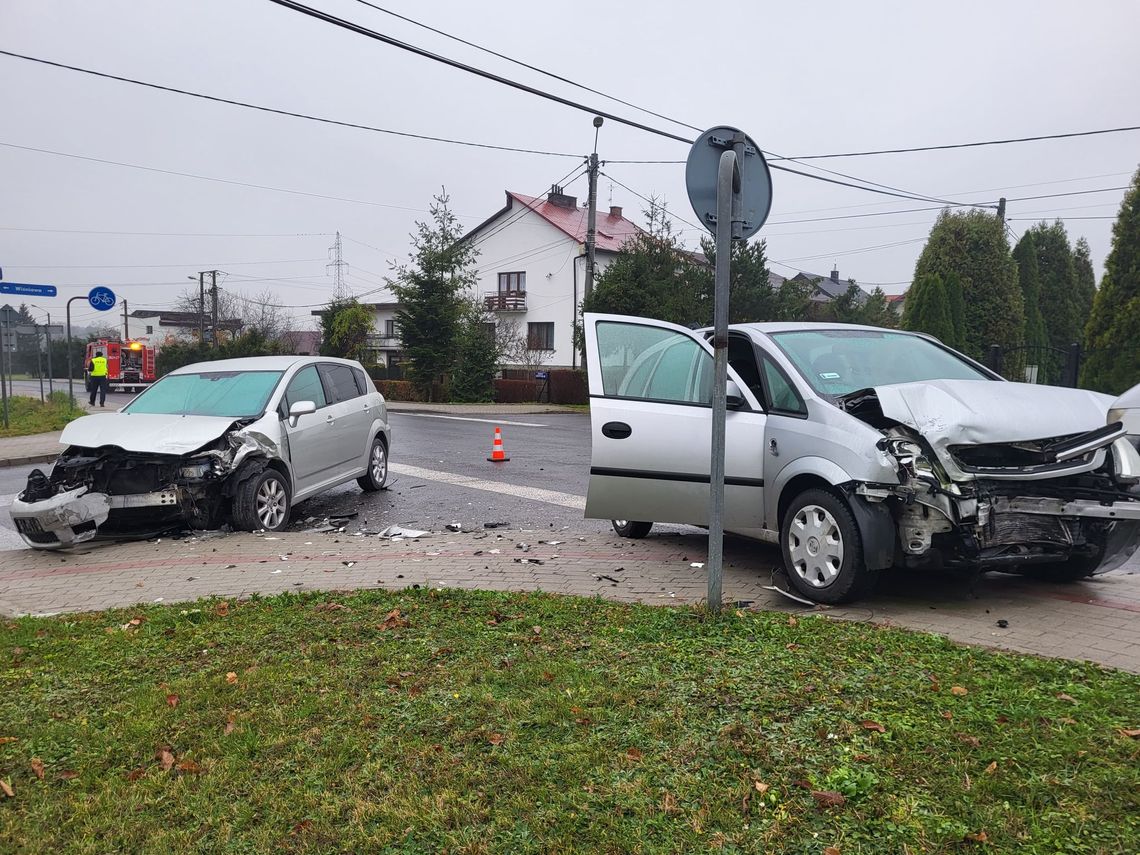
x: 800, y: 78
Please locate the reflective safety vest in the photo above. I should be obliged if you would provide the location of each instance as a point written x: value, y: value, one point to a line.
x: 99, y: 366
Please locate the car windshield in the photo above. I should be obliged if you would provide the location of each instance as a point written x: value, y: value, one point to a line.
x: 838, y: 361
x: 232, y: 394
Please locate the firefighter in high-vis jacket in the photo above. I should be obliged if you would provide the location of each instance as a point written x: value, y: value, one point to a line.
x: 97, y: 378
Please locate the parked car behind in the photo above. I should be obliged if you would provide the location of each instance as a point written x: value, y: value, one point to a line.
x: 857, y: 448
x: 238, y: 440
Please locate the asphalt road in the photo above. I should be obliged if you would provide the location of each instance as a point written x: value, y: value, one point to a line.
x: 536, y: 489
x: 31, y: 388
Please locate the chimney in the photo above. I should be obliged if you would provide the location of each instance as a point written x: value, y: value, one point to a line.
x: 834, y: 274
x: 615, y: 211
x: 557, y: 197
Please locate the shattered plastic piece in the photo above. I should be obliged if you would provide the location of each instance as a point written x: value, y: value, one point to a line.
x: 529, y: 561
x: 393, y: 532
x: 552, y: 542
x: 525, y: 547
x: 1003, y: 623
x: 454, y: 527
x: 697, y: 565
x: 495, y: 525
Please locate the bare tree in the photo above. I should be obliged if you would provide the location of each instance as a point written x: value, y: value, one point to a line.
x: 515, y: 346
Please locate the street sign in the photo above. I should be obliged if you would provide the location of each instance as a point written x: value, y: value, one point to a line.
x: 27, y: 290
x: 101, y: 298
x: 755, y: 179
x: 541, y: 375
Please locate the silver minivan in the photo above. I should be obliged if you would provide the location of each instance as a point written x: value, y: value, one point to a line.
x: 236, y: 440
x: 858, y: 448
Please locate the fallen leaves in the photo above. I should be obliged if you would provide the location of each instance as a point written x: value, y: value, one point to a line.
x: 394, y: 620
x: 991, y: 768
x: 331, y: 607
x: 761, y: 787
x: 4, y: 740
x: 831, y: 850
x: 1130, y: 732
x: 6, y: 788
x: 978, y: 837
x: 135, y: 774
x: 68, y: 775
x: 37, y: 767
x: 972, y: 741
x: 634, y: 754
x: 231, y: 678
x: 231, y: 723
x: 165, y: 758
x: 873, y: 725
x: 222, y: 609
x: 496, y: 739
x: 828, y: 798
x: 1062, y: 696
x: 959, y: 690
x: 172, y: 700
x: 190, y: 767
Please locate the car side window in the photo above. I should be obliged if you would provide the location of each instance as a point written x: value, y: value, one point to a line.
x: 363, y: 384
x: 782, y: 396
x: 305, y: 386
x: 651, y: 363
x: 340, y: 384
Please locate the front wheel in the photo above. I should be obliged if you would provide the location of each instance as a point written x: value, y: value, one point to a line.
x: 262, y: 502
x: 377, y: 474
x: 822, y: 549
x: 630, y: 528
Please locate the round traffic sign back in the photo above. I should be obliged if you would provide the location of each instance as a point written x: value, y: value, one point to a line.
x: 101, y: 298
x: 755, y: 180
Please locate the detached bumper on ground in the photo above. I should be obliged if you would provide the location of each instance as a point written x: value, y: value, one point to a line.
x: 64, y: 519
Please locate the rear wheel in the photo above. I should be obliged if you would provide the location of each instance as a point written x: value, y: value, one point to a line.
x: 822, y: 549
x: 262, y: 502
x: 630, y: 528
x: 377, y: 474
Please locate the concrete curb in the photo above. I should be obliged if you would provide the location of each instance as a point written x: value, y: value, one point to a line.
x: 24, y: 461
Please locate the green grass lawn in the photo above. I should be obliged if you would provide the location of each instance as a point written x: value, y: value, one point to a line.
x: 480, y: 722
x: 28, y: 415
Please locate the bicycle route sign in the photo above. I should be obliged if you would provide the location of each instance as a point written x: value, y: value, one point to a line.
x: 101, y: 298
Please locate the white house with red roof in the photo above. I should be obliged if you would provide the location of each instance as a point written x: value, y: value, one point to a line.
x: 532, y: 267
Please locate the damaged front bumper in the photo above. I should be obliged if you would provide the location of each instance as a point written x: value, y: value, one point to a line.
x: 65, y: 519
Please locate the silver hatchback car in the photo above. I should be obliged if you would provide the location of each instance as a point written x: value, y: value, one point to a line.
x: 858, y: 448
x: 237, y: 440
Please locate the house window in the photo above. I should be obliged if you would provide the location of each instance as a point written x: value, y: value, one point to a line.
x: 512, y: 282
x: 149, y: 330
x: 540, y: 336
x: 390, y: 328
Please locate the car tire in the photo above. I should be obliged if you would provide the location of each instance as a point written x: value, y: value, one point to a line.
x: 822, y: 549
x: 262, y: 502
x: 630, y: 528
x: 377, y: 475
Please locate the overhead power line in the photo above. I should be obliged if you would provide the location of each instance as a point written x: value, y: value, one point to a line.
x: 470, y: 69
x: 1070, y: 193
x: 968, y: 144
x: 526, y: 65
x: 150, y: 266
x: 262, y: 108
x: 163, y: 234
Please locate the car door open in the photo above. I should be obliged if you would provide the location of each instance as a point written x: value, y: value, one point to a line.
x: 651, y: 428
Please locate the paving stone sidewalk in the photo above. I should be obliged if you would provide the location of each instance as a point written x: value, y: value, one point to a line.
x: 1097, y: 620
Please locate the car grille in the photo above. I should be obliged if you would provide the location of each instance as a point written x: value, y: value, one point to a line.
x: 1009, y: 458
x: 33, y: 531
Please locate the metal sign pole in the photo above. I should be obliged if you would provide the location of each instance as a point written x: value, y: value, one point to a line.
x: 70, y: 364
x: 3, y: 378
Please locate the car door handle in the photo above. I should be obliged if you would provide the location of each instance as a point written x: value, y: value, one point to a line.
x: 616, y: 430
x: 329, y: 420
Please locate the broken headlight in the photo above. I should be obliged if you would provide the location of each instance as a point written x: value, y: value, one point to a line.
x: 199, y: 467
x: 912, y: 458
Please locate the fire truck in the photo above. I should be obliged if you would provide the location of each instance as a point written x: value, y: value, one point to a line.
x: 130, y: 364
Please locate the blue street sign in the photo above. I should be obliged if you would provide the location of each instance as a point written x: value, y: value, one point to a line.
x: 27, y: 290
x: 101, y: 298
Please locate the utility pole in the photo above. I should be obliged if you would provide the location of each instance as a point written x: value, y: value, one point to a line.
x: 214, y: 303
x: 1001, y: 210
x: 592, y: 212
x: 126, y: 323
x: 338, y: 265
x: 201, y: 308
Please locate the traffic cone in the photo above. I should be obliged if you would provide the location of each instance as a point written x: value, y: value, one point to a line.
x: 497, y: 453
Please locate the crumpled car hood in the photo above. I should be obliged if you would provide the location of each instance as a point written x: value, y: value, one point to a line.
x: 143, y: 432
x: 969, y: 412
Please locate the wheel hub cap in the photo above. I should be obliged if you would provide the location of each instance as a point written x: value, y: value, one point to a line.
x: 271, y: 503
x: 815, y: 546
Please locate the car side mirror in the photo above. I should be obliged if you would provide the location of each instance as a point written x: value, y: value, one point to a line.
x: 733, y: 397
x: 300, y: 408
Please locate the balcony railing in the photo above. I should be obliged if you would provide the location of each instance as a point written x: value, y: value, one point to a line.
x: 384, y: 342
x: 505, y: 301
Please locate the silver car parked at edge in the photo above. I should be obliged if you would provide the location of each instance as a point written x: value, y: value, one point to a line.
x: 857, y: 448
x: 237, y: 440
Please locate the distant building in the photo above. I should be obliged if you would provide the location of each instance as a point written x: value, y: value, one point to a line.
x: 157, y: 327
x: 302, y: 342
x: 827, y: 288
x: 897, y: 302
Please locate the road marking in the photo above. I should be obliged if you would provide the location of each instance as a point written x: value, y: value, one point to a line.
x: 466, y: 419
x: 536, y: 494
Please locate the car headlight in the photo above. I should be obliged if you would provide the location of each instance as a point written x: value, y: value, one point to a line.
x: 199, y: 468
x: 912, y: 457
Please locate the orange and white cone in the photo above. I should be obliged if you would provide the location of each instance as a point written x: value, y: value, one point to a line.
x: 498, y: 455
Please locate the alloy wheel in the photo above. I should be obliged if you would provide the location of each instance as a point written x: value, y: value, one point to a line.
x: 272, y: 503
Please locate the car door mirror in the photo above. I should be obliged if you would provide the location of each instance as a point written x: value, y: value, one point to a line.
x: 733, y: 397
x: 300, y: 408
